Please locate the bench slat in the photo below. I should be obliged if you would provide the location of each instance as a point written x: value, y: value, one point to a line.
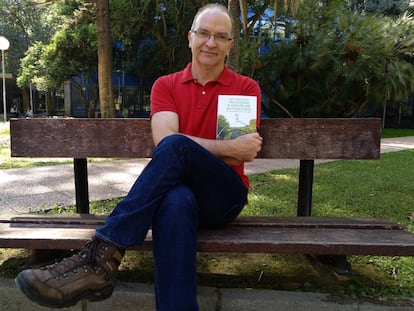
x: 327, y: 138
x: 316, y: 222
x: 59, y: 219
x: 321, y: 138
x: 91, y: 220
x: 309, y: 241
x: 95, y: 138
x: 306, y: 235
x: 237, y: 239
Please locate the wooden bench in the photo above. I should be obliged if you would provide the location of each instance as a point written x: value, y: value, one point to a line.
x: 304, y: 139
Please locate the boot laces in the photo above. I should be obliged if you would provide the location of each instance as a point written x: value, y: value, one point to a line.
x: 84, y: 260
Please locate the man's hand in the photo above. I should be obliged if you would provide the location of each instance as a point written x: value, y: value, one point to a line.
x: 234, y: 151
x: 246, y: 147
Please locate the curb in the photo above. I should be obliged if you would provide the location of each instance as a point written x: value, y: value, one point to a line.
x: 139, y: 296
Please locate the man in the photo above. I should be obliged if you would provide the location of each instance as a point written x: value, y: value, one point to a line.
x: 192, y: 181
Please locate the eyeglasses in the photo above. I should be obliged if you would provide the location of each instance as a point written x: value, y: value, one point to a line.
x: 205, y: 35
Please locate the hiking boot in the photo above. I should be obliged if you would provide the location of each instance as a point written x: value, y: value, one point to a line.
x: 90, y: 274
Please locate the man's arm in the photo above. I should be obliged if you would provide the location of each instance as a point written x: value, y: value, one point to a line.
x: 164, y: 123
x: 233, y: 152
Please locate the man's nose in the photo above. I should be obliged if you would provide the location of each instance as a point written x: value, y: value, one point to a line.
x: 211, y: 40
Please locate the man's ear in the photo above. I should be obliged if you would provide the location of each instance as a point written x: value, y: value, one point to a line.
x: 189, y: 38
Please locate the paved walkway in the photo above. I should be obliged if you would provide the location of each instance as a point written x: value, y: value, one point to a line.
x: 24, y: 190
x: 135, y: 296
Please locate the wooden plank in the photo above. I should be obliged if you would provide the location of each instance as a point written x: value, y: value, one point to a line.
x: 81, y: 138
x: 327, y: 138
x: 12, y: 236
x: 321, y: 138
x: 57, y: 219
x: 90, y: 220
x: 316, y: 222
x: 237, y: 239
x: 308, y: 241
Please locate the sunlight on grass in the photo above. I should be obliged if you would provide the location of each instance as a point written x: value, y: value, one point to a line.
x: 273, y: 193
x: 382, y: 189
x: 4, y: 128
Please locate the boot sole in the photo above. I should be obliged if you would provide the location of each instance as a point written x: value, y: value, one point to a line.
x: 33, y: 294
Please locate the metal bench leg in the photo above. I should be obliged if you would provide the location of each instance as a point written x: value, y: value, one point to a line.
x: 337, y: 263
x: 305, y: 187
x: 81, y: 185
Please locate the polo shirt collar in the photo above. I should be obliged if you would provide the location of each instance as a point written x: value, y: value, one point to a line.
x: 224, y: 78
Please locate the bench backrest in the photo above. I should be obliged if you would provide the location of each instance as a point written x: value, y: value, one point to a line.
x: 302, y: 138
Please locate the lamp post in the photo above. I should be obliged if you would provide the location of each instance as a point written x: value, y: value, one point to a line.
x: 4, y: 45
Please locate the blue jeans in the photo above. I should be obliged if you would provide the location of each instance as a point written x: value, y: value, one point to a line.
x: 182, y: 189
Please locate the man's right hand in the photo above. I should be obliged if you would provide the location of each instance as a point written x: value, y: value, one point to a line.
x: 246, y: 147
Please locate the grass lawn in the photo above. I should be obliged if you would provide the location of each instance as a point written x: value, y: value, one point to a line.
x: 391, y: 133
x: 382, y: 188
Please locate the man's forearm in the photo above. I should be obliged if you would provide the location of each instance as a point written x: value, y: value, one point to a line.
x: 233, y: 151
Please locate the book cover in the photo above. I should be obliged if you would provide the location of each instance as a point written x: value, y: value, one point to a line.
x: 236, y: 115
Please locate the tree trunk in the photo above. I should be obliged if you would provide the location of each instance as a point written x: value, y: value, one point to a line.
x: 233, y: 60
x: 25, y: 100
x: 106, y: 94
x: 49, y: 104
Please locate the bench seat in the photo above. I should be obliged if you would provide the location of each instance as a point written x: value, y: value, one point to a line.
x: 253, y: 234
x: 306, y: 139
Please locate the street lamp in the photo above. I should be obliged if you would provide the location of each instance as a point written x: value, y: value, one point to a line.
x: 4, y: 45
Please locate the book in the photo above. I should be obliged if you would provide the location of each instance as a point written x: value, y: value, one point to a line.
x: 236, y: 115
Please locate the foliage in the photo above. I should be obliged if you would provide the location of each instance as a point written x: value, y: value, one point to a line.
x: 394, y: 7
x: 23, y: 25
x: 155, y: 40
x: 338, y: 62
x: 154, y: 37
x: 71, y: 52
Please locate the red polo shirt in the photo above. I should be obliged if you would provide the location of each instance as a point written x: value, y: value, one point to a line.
x: 196, y: 104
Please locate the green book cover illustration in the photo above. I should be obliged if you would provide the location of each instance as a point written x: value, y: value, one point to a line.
x: 236, y: 115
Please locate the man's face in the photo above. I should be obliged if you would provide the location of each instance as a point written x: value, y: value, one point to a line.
x: 211, y: 50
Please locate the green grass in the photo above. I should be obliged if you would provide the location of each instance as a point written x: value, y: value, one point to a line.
x: 382, y: 188
x: 392, y: 133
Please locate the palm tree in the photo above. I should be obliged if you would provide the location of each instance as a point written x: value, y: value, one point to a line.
x: 239, y: 7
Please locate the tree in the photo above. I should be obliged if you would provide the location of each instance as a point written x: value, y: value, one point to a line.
x: 245, y: 14
x: 82, y: 39
x: 234, y: 9
x: 23, y: 24
x: 338, y: 63
x: 71, y: 52
x: 103, y: 26
x: 388, y: 7
x: 153, y: 34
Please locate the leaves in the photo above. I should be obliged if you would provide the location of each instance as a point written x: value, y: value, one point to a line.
x: 339, y: 62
